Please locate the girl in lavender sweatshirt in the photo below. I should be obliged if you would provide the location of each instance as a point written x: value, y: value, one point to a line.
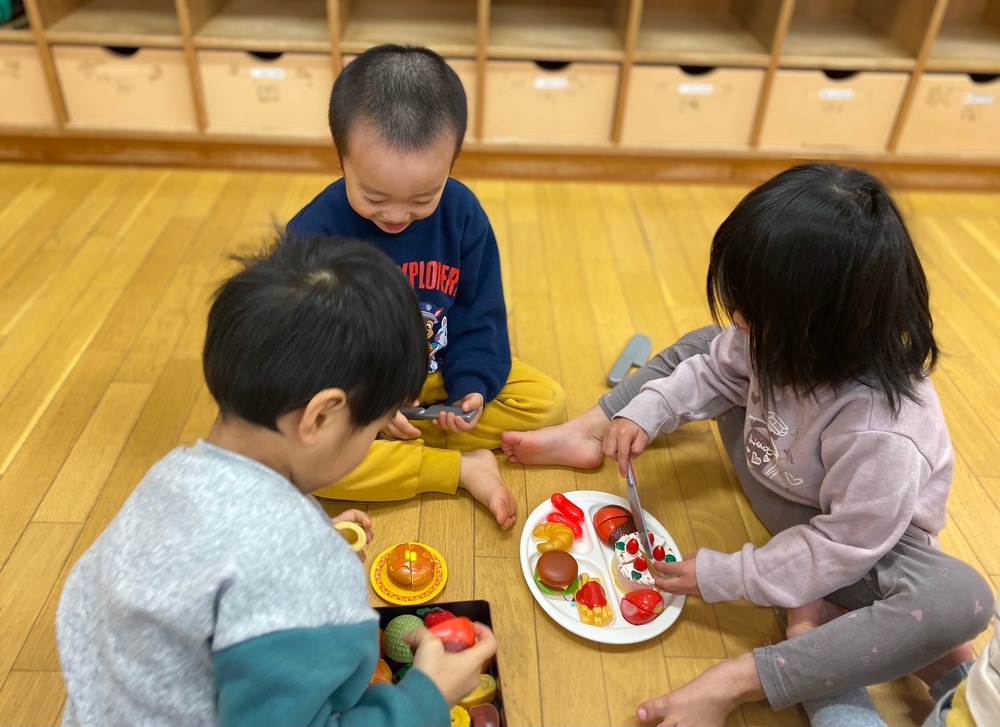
x: 822, y: 398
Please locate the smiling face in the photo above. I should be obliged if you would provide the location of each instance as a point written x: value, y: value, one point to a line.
x: 393, y: 188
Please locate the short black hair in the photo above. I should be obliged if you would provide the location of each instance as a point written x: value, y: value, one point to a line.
x: 409, y: 95
x: 312, y: 314
x: 819, y: 263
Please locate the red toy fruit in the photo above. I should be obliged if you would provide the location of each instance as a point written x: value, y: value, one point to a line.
x: 434, y: 616
x: 612, y: 522
x: 639, y: 607
x: 457, y: 633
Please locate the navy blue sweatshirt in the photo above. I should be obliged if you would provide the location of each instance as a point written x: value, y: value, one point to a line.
x: 452, y: 262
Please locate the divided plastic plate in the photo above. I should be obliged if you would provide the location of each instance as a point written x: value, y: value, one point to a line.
x: 597, y: 561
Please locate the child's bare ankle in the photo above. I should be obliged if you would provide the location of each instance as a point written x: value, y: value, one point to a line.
x: 480, y: 477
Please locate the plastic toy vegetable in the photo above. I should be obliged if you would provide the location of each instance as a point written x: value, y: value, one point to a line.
x: 456, y: 633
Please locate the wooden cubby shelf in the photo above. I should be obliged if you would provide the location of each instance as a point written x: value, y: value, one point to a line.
x: 17, y: 29
x: 557, y: 32
x: 707, y: 33
x: 128, y: 23
x: 697, y: 87
x: 969, y: 39
x: 263, y: 25
x: 448, y: 27
x: 857, y: 35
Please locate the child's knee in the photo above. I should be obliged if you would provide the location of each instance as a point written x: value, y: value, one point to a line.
x: 965, y: 608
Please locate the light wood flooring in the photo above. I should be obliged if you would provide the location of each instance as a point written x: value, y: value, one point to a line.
x: 105, y: 280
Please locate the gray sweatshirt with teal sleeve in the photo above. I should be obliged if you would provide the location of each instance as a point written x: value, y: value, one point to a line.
x: 221, y: 595
x: 872, y: 476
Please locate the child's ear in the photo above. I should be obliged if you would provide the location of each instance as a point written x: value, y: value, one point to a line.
x: 326, y: 407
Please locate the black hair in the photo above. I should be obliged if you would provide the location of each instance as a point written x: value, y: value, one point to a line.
x: 312, y: 314
x: 819, y: 263
x: 409, y: 95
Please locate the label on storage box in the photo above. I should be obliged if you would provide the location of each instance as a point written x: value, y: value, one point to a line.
x: 836, y: 94
x: 269, y: 73
x: 696, y: 89
x: 551, y: 84
x: 978, y: 99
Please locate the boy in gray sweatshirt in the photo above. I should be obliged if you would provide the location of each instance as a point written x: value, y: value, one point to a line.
x: 221, y: 593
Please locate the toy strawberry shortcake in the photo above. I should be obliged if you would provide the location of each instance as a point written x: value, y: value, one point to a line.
x: 631, y: 569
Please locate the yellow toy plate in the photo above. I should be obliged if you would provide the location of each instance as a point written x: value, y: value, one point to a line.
x: 393, y: 593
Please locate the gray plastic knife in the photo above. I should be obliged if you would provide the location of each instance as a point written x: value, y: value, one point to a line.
x: 638, y: 516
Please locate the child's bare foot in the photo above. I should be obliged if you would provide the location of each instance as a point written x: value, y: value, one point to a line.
x: 805, y: 618
x: 480, y: 476
x: 709, y: 698
x: 576, y: 443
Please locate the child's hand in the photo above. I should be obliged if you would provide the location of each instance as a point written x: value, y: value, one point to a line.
x: 451, y: 423
x: 678, y: 578
x: 361, y: 518
x: 624, y: 440
x: 401, y: 428
x: 454, y: 674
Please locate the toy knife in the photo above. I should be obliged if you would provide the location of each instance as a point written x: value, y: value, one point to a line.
x: 637, y: 515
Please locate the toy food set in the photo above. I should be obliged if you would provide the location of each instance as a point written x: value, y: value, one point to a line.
x: 452, y: 623
x: 408, y: 573
x: 582, y: 558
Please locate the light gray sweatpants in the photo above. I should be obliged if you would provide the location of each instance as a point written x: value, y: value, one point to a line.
x: 913, y: 607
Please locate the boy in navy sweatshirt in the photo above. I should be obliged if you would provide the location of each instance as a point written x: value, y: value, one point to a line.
x: 221, y: 593
x: 398, y: 118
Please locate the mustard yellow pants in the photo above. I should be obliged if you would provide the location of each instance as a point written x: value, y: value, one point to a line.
x: 401, y: 469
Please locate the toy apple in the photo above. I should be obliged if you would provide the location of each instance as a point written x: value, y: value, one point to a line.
x: 639, y: 607
x: 456, y: 633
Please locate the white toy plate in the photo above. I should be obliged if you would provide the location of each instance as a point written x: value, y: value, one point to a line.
x: 596, y: 560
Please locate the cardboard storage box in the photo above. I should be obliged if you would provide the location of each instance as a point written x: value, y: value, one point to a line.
x: 23, y: 88
x: 465, y: 69
x: 672, y: 106
x: 145, y: 88
x: 811, y: 109
x: 953, y: 112
x: 535, y: 102
x: 263, y: 93
x: 473, y: 610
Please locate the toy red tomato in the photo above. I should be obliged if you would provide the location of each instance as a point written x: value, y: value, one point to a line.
x: 456, y: 633
x: 639, y: 607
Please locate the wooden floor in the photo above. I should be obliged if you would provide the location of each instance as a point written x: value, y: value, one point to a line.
x: 105, y: 278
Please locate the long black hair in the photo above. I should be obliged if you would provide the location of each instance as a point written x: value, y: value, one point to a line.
x: 819, y: 263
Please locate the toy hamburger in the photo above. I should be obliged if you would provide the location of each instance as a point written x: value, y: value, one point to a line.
x: 557, y: 573
x: 410, y: 566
